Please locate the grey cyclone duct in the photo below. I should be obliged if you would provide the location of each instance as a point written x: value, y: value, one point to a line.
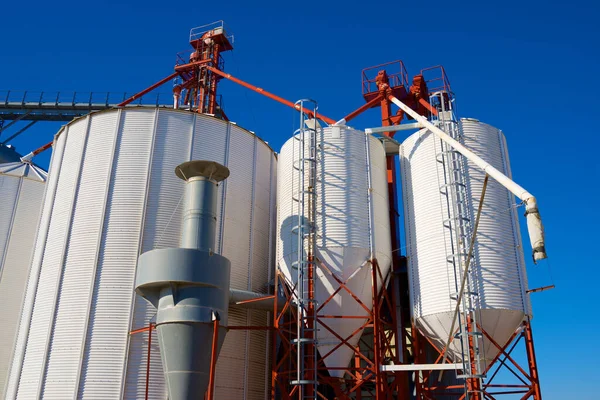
x: 189, y: 286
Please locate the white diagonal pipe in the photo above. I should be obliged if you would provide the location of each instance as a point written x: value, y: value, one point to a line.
x: 534, y: 221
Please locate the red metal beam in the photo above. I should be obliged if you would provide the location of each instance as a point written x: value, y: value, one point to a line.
x: 255, y: 299
x: 428, y: 106
x: 149, y: 89
x: 185, y: 67
x: 268, y: 94
x: 213, y: 361
x: 148, y: 361
x: 43, y: 148
x: 531, y: 360
x: 363, y: 108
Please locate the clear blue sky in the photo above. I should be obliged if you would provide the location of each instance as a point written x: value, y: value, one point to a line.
x: 527, y: 67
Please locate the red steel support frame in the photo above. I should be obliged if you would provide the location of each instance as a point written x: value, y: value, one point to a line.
x: 149, y: 330
x: 381, y: 318
x: 528, y: 385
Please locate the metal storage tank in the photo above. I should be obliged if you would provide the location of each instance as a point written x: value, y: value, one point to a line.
x: 498, y: 264
x: 21, y: 195
x: 343, y: 225
x: 111, y: 196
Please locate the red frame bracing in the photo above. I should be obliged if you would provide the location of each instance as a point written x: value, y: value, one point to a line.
x: 527, y: 384
x: 363, y: 380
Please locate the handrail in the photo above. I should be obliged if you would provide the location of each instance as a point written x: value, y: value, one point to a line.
x: 24, y: 98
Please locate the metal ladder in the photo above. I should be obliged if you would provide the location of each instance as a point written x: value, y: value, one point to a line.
x: 305, y: 168
x: 458, y: 224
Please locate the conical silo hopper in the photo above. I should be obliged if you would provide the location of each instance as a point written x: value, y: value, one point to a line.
x: 352, y: 224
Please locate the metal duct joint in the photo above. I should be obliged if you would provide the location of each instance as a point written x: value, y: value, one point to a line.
x: 535, y: 228
x: 189, y: 286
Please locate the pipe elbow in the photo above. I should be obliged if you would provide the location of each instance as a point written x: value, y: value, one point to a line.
x: 535, y: 228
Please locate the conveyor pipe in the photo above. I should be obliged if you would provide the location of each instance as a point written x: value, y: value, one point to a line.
x: 534, y: 221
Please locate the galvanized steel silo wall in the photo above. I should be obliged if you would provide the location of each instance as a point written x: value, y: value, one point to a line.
x: 498, y: 256
x: 112, y: 195
x: 351, y: 220
x: 21, y: 195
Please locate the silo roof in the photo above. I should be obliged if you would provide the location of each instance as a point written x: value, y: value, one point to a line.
x: 23, y: 170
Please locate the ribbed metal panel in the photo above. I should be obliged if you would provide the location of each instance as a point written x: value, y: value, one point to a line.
x: 68, y: 315
x: 37, y: 353
x: 10, y: 194
x: 498, y: 256
x: 15, y: 373
x: 116, y: 197
x: 240, y: 208
x: 343, y: 197
x: 21, y: 194
x: 231, y: 366
x: 110, y: 317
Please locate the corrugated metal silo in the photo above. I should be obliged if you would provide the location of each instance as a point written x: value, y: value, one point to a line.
x: 111, y: 196
x: 498, y: 265
x: 21, y: 195
x: 343, y: 227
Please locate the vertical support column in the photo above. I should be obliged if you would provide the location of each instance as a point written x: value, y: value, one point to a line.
x: 213, y: 359
x: 416, y: 348
x: 212, y: 89
x: 531, y: 360
x: 150, y: 326
x: 386, y: 110
x: 473, y: 383
x: 386, y: 120
x: 379, y: 382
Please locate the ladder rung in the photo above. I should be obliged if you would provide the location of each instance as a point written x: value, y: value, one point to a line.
x: 303, y: 382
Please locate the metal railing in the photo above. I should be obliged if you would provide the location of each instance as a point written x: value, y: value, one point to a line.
x: 217, y: 27
x: 71, y: 99
x: 436, y: 79
x: 396, y: 72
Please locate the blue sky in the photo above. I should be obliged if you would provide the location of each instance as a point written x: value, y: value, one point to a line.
x: 529, y: 68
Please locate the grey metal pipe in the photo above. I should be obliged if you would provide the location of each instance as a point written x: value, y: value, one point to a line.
x: 199, y: 217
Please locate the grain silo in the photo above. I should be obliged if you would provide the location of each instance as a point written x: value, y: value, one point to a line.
x: 352, y: 227
x: 21, y: 195
x: 111, y: 196
x: 498, y: 281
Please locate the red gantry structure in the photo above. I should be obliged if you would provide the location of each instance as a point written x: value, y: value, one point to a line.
x: 390, y: 336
